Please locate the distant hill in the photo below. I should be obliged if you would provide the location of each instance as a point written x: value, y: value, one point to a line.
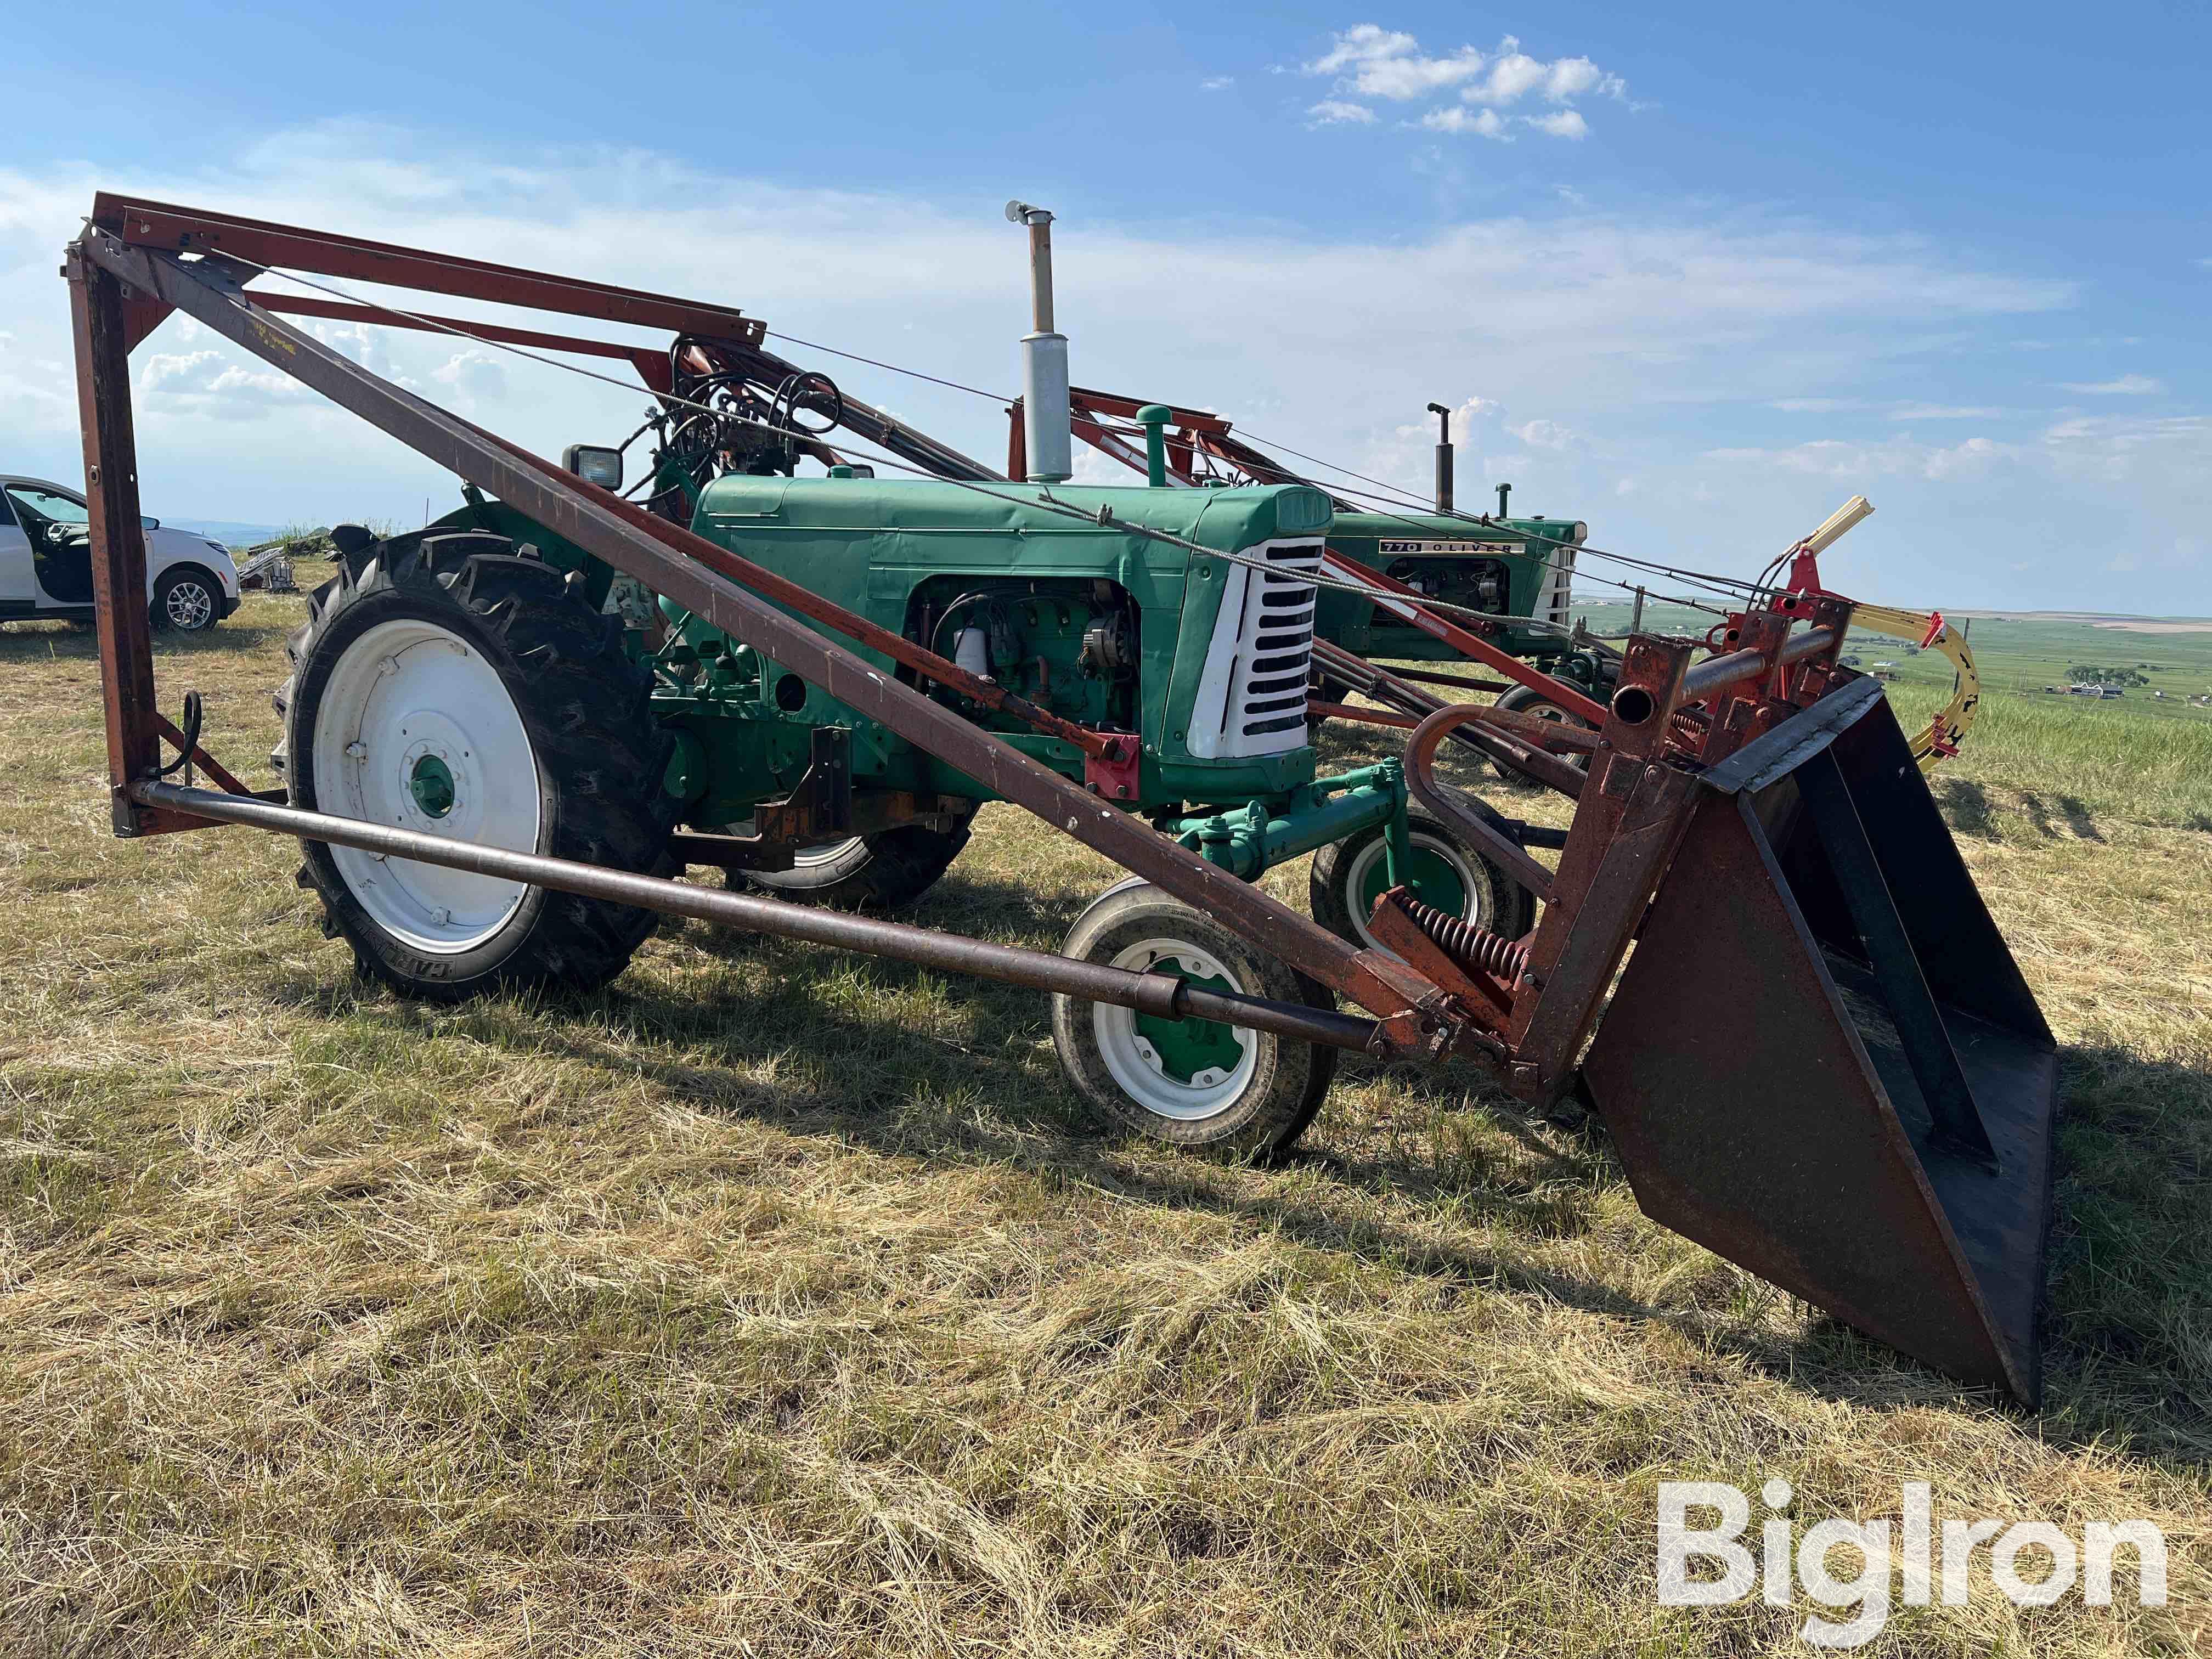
x: 230, y: 534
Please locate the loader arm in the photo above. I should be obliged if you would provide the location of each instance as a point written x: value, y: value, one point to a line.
x: 1820, y: 1060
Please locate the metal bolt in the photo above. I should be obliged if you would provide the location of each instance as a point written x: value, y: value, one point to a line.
x: 440, y: 915
x: 356, y: 750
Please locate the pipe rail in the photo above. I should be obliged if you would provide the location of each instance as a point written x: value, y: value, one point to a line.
x: 1159, y: 994
x: 1711, y: 675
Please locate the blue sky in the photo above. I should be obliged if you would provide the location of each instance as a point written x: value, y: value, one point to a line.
x: 1692, y: 277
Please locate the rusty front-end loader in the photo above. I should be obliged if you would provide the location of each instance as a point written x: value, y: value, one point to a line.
x: 1819, y: 1059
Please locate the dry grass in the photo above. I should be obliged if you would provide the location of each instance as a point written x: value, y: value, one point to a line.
x: 779, y: 1302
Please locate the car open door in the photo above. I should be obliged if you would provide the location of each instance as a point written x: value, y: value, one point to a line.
x: 19, y: 592
x: 55, y: 526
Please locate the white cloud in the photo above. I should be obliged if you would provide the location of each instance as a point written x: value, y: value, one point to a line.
x: 1334, y: 112
x: 1570, y: 77
x: 2127, y: 385
x: 1387, y: 63
x: 211, y: 384
x: 475, y: 373
x: 163, y: 371
x: 1454, y: 118
x: 1543, y: 434
x: 1660, y: 338
x: 1216, y: 83
x: 1943, y: 412
x: 1845, y: 461
x: 1514, y: 74
x: 1378, y: 63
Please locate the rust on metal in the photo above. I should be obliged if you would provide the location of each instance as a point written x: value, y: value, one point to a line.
x: 732, y: 593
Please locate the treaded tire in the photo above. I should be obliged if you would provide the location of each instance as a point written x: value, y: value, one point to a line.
x: 1288, y: 1079
x: 888, y: 870
x: 1528, y: 700
x: 1498, y: 903
x: 585, y: 707
x: 169, y: 609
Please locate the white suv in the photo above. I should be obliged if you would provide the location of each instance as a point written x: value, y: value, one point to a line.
x: 45, y: 562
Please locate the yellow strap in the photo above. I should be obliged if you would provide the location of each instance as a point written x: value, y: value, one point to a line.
x: 1947, y: 729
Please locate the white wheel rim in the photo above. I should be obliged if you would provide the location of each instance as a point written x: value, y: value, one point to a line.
x: 1136, y: 1066
x: 188, y: 605
x: 1473, y: 881
x: 828, y: 852
x: 411, y: 711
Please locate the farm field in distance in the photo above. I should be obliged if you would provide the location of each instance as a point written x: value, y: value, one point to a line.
x: 778, y: 1301
x: 2017, y: 651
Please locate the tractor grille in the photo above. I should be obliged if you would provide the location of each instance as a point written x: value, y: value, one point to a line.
x: 1252, y: 695
x: 1555, y: 598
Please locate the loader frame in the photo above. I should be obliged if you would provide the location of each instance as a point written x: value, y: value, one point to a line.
x: 1771, y: 696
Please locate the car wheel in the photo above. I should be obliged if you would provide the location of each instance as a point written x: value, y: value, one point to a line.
x: 186, y: 600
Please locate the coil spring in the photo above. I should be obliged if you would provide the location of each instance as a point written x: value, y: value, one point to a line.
x: 1469, y: 945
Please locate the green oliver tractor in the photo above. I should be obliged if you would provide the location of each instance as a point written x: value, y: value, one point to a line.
x: 1517, y: 570
x: 485, y: 680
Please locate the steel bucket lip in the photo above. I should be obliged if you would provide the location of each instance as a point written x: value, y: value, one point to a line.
x: 1773, y: 755
x: 1762, y: 1104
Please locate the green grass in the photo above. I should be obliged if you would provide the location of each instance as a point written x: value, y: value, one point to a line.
x: 780, y: 1301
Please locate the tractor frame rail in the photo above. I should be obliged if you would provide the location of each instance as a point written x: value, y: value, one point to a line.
x: 1742, y: 823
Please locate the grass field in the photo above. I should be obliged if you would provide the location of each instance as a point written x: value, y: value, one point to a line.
x: 2021, y: 653
x: 776, y: 1302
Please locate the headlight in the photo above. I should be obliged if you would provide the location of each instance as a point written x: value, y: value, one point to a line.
x: 594, y: 464
x: 218, y: 546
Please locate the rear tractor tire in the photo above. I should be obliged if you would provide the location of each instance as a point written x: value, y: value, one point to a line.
x: 1348, y: 876
x: 446, y: 684
x: 1191, y: 1082
x: 884, y: 870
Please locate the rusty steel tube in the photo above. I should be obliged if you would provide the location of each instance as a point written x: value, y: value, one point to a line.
x: 1715, y: 672
x: 1149, y: 993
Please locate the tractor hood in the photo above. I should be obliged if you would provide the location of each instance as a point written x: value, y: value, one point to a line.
x: 1224, y: 518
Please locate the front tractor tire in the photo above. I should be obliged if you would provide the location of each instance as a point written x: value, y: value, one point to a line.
x: 1191, y: 1082
x: 448, y: 685
x: 1448, y: 874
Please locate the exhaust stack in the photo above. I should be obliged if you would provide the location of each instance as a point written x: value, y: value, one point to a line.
x: 1443, y: 456
x: 1045, y: 419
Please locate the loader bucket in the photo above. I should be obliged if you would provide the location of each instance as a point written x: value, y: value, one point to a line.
x: 1822, y: 1063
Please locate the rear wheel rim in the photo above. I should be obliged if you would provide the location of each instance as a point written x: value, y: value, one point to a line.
x: 828, y: 852
x: 1184, y: 1069
x: 188, y: 605
x: 416, y: 728
x: 1444, y: 877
